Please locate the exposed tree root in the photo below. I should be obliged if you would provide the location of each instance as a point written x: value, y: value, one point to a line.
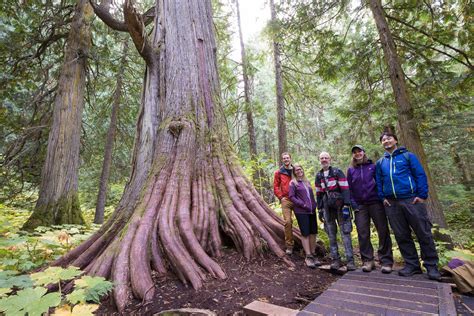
x: 187, y: 194
x: 178, y: 223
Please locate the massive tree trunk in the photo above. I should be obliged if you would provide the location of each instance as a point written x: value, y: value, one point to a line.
x: 406, y: 120
x: 109, y: 142
x: 248, y: 105
x: 187, y: 188
x: 282, y: 141
x: 58, y: 201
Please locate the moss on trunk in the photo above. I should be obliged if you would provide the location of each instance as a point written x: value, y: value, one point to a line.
x: 64, y: 211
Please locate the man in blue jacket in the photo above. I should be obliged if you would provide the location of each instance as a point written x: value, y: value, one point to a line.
x: 403, y: 187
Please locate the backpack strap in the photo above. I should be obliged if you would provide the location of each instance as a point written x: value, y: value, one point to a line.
x: 407, y: 156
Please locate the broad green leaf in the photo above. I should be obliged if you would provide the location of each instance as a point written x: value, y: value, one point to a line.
x: 78, y: 310
x: 84, y: 309
x: 8, y: 279
x: 43, y: 304
x: 77, y: 296
x: 94, y: 287
x: 31, y: 301
x: 64, y: 310
x: 54, y: 275
x: 4, y: 291
x: 9, y: 262
x: 27, y: 265
x: 89, y: 281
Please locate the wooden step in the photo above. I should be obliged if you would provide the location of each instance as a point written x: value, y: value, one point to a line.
x: 258, y: 308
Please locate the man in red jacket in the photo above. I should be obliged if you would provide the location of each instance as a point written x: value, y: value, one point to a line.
x: 281, y: 187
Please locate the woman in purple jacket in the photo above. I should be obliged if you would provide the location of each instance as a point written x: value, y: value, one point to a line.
x: 366, y: 205
x: 304, y: 207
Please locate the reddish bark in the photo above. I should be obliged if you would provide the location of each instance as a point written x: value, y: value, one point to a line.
x: 186, y: 189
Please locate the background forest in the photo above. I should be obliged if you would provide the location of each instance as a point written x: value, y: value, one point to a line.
x: 335, y: 86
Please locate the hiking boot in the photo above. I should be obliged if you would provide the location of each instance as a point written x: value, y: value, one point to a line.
x: 409, y: 271
x: 309, y: 262
x: 368, y: 266
x: 433, y: 273
x: 335, y: 265
x: 386, y: 269
x: 351, y: 266
x: 317, y: 263
x: 289, y: 251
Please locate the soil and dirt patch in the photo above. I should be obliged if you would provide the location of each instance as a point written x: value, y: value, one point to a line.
x: 266, y: 278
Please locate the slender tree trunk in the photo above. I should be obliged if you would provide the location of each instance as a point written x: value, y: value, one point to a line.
x: 110, y: 140
x: 406, y: 120
x: 282, y: 141
x: 466, y: 178
x: 58, y: 200
x: 187, y: 187
x: 248, y: 105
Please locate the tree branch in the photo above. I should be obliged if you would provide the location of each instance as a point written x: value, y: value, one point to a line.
x: 460, y: 52
x: 435, y: 49
x: 136, y: 28
x: 102, y: 11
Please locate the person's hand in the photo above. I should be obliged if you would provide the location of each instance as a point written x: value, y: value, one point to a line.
x: 386, y: 203
x: 418, y: 200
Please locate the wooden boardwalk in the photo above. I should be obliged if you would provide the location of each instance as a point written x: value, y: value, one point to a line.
x: 359, y: 293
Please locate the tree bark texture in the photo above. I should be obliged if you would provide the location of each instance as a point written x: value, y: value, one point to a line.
x: 248, y: 105
x: 186, y: 189
x: 58, y: 200
x: 282, y: 140
x: 466, y: 178
x: 406, y: 119
x: 110, y: 140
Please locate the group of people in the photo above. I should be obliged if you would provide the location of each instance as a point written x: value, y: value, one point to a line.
x: 393, y: 188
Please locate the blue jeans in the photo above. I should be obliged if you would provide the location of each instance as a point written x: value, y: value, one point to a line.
x: 333, y: 219
x: 404, y: 217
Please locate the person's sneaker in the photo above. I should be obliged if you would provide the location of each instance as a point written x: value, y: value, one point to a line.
x: 351, y: 266
x: 335, y: 265
x: 409, y: 271
x: 386, y: 269
x: 289, y: 251
x: 309, y: 262
x: 433, y: 274
x: 368, y: 266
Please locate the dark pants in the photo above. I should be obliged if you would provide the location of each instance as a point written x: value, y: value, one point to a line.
x: 375, y: 212
x: 307, y: 224
x: 404, y: 217
x: 332, y: 219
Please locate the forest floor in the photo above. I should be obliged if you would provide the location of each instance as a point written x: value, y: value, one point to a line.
x: 266, y: 279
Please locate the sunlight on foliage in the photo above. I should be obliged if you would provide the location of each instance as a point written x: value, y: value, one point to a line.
x: 55, y: 275
x: 4, y: 292
x: 24, y: 251
x: 77, y: 310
